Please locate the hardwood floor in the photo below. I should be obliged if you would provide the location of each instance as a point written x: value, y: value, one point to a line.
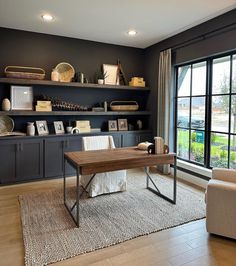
x: 188, y: 245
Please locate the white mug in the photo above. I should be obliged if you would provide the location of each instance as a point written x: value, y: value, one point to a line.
x: 68, y: 129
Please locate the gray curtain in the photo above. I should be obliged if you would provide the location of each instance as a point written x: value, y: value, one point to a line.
x: 164, y: 99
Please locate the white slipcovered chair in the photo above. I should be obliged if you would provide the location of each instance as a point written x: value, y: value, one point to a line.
x: 107, y: 182
x: 221, y: 203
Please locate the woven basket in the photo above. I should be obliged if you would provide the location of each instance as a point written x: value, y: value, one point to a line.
x: 24, y: 72
x: 66, y: 72
x: 124, y: 106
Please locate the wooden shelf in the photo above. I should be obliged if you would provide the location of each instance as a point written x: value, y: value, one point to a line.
x: 15, y: 81
x: 72, y: 113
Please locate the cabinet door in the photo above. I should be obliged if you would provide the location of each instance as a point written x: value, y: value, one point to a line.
x: 117, y: 140
x: 29, y: 159
x: 7, y: 161
x: 146, y: 137
x: 53, y: 157
x: 72, y: 144
x: 130, y: 139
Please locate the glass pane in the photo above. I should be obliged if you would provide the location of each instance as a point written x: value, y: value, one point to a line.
x: 221, y: 75
x: 197, y: 146
x: 234, y: 74
x: 220, y: 113
x: 233, y: 114
x: 219, y: 150
x: 183, y: 143
x: 183, y: 112
x: 184, y: 80
x: 198, y: 112
x: 199, y: 79
x: 233, y: 152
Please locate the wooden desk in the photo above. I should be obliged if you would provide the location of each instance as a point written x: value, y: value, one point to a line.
x: 99, y: 161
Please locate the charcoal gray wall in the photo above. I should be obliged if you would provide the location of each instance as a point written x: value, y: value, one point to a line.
x: 216, y: 42
x: 46, y: 51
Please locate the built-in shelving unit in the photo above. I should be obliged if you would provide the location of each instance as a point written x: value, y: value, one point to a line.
x: 18, y: 81
x: 72, y: 113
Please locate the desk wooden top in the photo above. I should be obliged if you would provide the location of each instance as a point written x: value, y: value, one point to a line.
x: 100, y: 161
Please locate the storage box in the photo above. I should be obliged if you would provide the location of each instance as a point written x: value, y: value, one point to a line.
x: 137, y: 82
x: 43, y: 108
x: 82, y: 123
x: 43, y: 103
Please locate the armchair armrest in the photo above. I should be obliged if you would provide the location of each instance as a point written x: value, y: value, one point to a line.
x: 228, y: 175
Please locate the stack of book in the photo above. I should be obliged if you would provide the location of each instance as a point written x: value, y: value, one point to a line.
x: 43, y: 106
x: 83, y: 126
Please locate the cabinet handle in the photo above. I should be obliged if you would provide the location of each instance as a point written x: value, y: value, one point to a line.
x: 67, y: 143
x: 21, y: 147
x: 17, y: 147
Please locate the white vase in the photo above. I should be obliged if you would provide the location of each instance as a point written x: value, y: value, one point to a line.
x: 30, y: 129
x: 6, y: 105
x: 159, y: 145
x: 100, y: 81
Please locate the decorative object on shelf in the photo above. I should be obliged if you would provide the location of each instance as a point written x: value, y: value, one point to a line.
x: 66, y: 72
x: 43, y: 106
x: 59, y: 127
x: 42, y: 127
x: 139, y: 124
x: 122, y: 124
x: 105, y: 106
x: 121, y: 74
x: 75, y: 130
x: 6, y: 124
x: 130, y: 127
x: 58, y: 105
x: 54, y: 75
x: 30, y: 129
x: 21, y: 98
x: 100, y: 76
x: 68, y: 129
x: 137, y: 82
x: 112, y: 125
x: 159, y: 145
x: 144, y: 145
x: 6, y: 105
x: 83, y: 126
x: 111, y: 74
x: 98, y: 109
x: 24, y: 72
x: 124, y: 106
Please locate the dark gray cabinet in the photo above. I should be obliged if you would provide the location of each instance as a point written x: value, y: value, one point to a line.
x: 23, y: 160
x: 132, y: 139
x: 54, y: 149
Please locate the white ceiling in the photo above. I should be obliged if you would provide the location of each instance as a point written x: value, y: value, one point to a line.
x: 108, y: 20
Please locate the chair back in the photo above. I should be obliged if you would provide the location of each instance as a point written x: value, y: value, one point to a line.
x: 97, y: 143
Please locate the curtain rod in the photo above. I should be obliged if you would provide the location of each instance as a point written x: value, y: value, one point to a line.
x: 201, y: 37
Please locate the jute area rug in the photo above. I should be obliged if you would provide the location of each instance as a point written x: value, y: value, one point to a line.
x: 50, y: 234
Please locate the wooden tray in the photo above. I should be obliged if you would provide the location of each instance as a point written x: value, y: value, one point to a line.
x: 124, y: 106
x: 24, y: 72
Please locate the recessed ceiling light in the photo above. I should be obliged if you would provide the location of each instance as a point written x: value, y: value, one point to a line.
x: 132, y: 32
x: 47, y: 17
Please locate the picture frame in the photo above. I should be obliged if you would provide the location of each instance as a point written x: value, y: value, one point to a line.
x: 21, y: 97
x: 42, y: 127
x: 122, y: 124
x: 112, y: 125
x: 59, y: 127
x: 111, y: 74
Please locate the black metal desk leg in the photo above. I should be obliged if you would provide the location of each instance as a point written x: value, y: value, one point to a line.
x: 77, y: 195
x: 175, y: 179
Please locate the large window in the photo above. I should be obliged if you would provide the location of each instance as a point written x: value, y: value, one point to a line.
x: 206, y: 112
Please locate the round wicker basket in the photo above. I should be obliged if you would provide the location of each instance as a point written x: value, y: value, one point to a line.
x: 66, y: 72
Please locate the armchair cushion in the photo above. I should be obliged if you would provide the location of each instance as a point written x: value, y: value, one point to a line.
x: 228, y: 175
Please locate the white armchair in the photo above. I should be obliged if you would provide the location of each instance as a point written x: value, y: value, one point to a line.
x: 221, y: 203
x: 107, y: 182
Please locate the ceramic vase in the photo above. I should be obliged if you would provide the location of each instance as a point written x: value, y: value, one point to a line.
x: 159, y: 145
x: 100, y: 81
x: 30, y: 129
x: 6, y: 105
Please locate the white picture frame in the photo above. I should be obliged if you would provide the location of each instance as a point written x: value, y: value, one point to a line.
x: 42, y: 127
x: 111, y: 74
x: 59, y: 127
x: 112, y: 125
x: 122, y: 124
x: 21, y: 97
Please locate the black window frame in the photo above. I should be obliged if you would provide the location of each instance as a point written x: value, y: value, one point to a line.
x: 208, y: 105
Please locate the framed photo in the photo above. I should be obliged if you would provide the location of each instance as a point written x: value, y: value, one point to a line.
x: 112, y: 125
x: 111, y: 74
x: 122, y: 124
x: 59, y: 127
x: 21, y: 98
x: 42, y: 127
